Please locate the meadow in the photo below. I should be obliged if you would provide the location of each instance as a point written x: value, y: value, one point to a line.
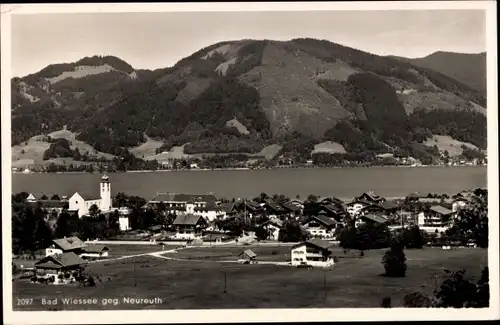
x: 353, y: 282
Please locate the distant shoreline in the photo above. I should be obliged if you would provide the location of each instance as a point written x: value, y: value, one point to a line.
x: 245, y: 169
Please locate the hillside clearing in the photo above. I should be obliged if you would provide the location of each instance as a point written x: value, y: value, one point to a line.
x: 329, y: 147
x: 33, y: 149
x: 81, y: 71
x: 240, y: 127
x: 147, y: 149
x: 445, y: 142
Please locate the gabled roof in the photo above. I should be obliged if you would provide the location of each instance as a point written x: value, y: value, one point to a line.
x: 440, y: 209
x: 274, y: 221
x: 374, y: 218
x: 69, y: 243
x: 95, y: 248
x: 229, y: 207
x: 372, y: 196
x: 187, y: 219
x: 90, y: 195
x: 317, y: 243
x: 50, y: 204
x: 332, y: 208
x: 61, y: 260
x: 273, y: 205
x: 290, y: 206
x: 179, y: 197
x: 325, y: 220
x: 249, y: 252
x: 361, y: 201
x: 389, y: 205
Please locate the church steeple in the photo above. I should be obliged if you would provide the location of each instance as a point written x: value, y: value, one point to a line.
x: 105, y: 193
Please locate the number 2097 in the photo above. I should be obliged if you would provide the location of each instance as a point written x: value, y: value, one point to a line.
x: 24, y: 301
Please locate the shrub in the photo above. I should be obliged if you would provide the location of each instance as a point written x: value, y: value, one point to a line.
x: 394, y: 261
x: 417, y: 300
x: 386, y: 302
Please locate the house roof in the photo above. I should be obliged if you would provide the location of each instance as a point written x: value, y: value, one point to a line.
x: 50, y: 204
x: 60, y: 260
x: 372, y: 196
x: 440, y: 209
x: 90, y: 195
x: 229, y: 207
x: 210, y: 206
x: 187, y: 219
x: 95, y: 248
x: 319, y: 243
x: 374, y: 218
x: 69, y: 243
x: 249, y: 253
x: 275, y: 222
x: 273, y: 205
x: 179, y: 197
x: 362, y: 201
x: 291, y: 206
x: 389, y: 205
x: 325, y: 220
x: 333, y: 208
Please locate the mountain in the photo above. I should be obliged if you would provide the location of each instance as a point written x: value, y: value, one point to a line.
x: 243, y: 96
x: 469, y: 69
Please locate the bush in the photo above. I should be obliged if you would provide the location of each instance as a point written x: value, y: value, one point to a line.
x: 386, y: 302
x: 417, y: 300
x: 394, y: 261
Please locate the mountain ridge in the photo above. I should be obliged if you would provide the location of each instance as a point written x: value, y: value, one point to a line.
x: 293, y: 93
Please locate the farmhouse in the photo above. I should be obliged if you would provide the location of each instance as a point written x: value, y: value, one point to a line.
x: 273, y: 227
x: 314, y: 252
x: 436, y: 216
x: 370, y: 218
x: 370, y: 197
x: 59, y: 267
x: 273, y: 208
x: 321, y: 226
x: 189, y: 226
x: 96, y: 251
x: 332, y: 211
x: 65, y: 245
x: 247, y: 256
x: 355, y: 207
x: 292, y: 208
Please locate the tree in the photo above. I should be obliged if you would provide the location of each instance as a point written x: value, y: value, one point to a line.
x: 416, y: 300
x: 394, y: 261
x: 261, y: 233
x: 67, y: 225
x: 112, y: 225
x: 413, y: 237
x: 55, y: 197
x: 94, y: 210
x: 458, y: 292
x: 44, y: 197
x: 386, y: 302
x: 292, y: 232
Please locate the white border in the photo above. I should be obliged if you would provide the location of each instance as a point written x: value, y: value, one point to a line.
x: 259, y: 315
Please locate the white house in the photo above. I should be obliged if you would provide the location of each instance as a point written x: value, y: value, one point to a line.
x: 81, y: 202
x: 273, y: 227
x: 314, y: 252
x: 459, y: 203
x: 321, y: 226
x: 95, y: 251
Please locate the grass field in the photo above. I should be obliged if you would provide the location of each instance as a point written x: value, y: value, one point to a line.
x: 227, y: 253
x: 353, y: 282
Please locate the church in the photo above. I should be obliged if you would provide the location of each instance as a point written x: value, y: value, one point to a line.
x: 81, y: 202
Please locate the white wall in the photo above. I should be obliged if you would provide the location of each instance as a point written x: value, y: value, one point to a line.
x: 52, y: 251
x: 124, y: 223
x: 76, y: 202
x: 299, y: 255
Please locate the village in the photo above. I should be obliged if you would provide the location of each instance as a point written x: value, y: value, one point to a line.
x: 307, y: 233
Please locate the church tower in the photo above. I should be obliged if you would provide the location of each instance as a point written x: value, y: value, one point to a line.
x: 105, y: 193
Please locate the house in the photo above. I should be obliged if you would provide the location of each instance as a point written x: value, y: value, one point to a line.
x: 65, y: 245
x: 210, y: 211
x: 273, y: 208
x: 251, y: 207
x: 230, y: 209
x: 298, y: 203
x: 459, y: 203
x: 292, y: 209
x: 314, y: 252
x: 247, y: 257
x: 435, y: 217
x: 49, y: 206
x: 321, y: 226
x: 370, y: 218
x: 59, y: 267
x: 174, y: 202
x: 273, y: 227
x: 332, y: 210
x: 189, y: 226
x: 355, y: 207
x: 81, y: 202
x: 370, y: 197
x: 96, y: 250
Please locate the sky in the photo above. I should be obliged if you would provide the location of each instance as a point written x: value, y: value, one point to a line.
x: 159, y: 40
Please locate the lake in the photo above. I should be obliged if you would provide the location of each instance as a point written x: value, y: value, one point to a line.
x: 340, y: 182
